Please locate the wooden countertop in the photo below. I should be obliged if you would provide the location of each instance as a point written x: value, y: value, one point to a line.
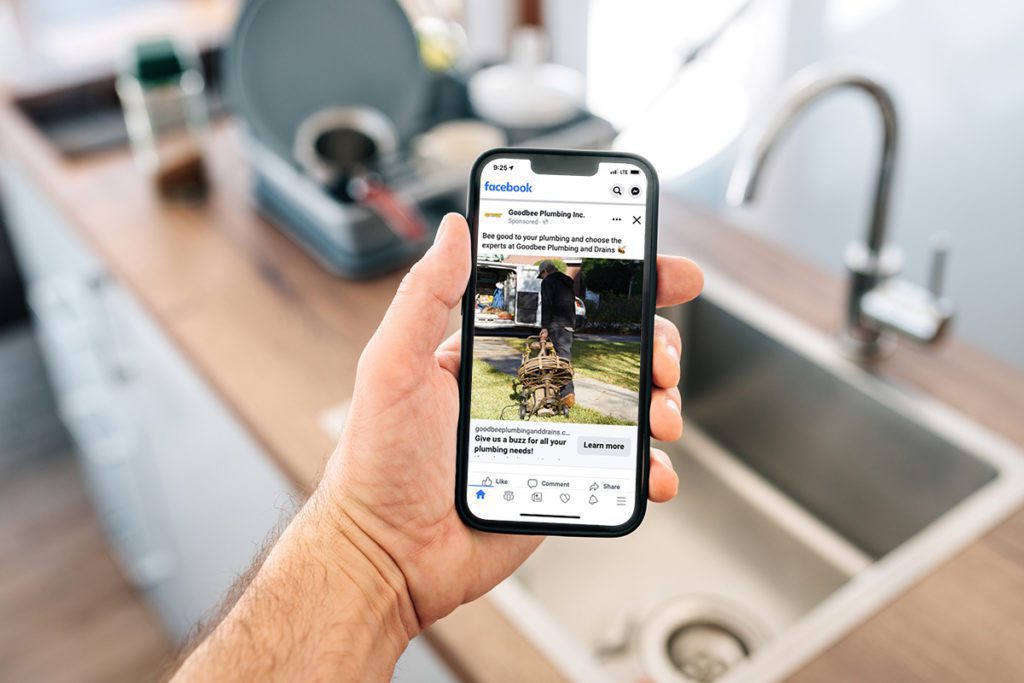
x: 278, y: 338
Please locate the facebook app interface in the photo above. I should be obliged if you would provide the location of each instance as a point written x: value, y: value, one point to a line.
x: 553, y: 431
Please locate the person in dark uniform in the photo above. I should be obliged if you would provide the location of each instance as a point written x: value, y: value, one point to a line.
x: 558, y: 316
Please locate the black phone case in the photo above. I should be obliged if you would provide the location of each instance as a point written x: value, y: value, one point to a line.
x: 646, y: 351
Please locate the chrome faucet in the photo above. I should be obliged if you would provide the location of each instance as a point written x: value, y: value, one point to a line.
x: 878, y: 303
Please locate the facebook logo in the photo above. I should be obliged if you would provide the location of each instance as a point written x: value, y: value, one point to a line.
x: 507, y: 187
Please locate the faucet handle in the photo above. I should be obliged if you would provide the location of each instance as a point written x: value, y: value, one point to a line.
x: 909, y: 309
x: 940, y: 247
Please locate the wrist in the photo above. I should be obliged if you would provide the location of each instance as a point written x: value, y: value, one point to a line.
x: 355, y: 556
x: 321, y: 606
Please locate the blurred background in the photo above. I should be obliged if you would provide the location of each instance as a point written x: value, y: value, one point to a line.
x: 206, y: 205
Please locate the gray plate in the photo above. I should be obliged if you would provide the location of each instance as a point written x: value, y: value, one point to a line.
x: 290, y: 58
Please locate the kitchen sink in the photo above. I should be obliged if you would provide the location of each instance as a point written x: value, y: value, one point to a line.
x: 812, y: 493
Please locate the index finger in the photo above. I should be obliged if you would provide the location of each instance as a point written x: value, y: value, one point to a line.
x: 679, y: 280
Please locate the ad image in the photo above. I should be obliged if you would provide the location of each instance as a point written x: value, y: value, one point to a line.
x: 557, y: 340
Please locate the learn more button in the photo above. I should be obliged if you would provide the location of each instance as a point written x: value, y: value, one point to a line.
x: 603, y: 445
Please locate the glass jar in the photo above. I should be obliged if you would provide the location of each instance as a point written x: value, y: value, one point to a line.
x: 162, y: 93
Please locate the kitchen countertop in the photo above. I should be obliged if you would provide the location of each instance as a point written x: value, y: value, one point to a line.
x: 278, y: 338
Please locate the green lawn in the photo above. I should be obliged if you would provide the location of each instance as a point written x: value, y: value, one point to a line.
x: 491, y: 393
x: 614, y: 362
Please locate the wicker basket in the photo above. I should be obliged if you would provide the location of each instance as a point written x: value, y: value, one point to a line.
x: 540, y: 379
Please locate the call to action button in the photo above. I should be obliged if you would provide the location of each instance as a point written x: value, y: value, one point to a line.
x: 603, y: 445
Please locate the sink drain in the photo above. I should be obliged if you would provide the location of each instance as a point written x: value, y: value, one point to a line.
x: 704, y: 652
x: 697, y: 639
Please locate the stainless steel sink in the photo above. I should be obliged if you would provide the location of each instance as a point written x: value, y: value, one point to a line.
x: 812, y: 494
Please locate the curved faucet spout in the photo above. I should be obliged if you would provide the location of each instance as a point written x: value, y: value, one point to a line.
x: 878, y: 303
x: 806, y: 87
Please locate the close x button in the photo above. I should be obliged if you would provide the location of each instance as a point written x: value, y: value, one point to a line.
x: 636, y: 220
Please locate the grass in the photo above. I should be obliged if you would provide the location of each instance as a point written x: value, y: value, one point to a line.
x: 491, y: 394
x: 612, y: 362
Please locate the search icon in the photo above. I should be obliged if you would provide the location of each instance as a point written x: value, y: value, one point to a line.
x: 617, y: 190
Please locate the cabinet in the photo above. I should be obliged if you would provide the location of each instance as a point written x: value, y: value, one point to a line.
x: 185, y: 494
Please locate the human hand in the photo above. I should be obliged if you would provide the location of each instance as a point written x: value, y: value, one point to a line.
x: 390, y: 485
x: 543, y: 335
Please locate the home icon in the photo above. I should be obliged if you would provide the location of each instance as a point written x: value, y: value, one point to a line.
x: 480, y: 495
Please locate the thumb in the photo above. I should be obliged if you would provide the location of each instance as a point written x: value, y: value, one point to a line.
x: 416, y: 322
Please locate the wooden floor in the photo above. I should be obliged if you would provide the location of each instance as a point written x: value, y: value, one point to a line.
x: 66, y: 612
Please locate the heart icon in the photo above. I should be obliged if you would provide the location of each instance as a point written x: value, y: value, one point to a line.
x: 564, y: 497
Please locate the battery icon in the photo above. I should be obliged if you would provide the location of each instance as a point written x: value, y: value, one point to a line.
x: 634, y: 172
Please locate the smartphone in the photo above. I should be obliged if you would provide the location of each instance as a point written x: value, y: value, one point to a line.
x: 557, y: 335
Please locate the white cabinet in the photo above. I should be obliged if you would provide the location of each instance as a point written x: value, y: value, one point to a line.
x: 219, y: 494
x: 184, y: 492
x: 186, y: 496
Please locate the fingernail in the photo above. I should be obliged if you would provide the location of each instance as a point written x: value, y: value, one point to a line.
x: 440, y: 230
x: 674, y: 352
x: 671, y: 402
x: 662, y: 458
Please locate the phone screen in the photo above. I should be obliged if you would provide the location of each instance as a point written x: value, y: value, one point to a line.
x: 557, y: 400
